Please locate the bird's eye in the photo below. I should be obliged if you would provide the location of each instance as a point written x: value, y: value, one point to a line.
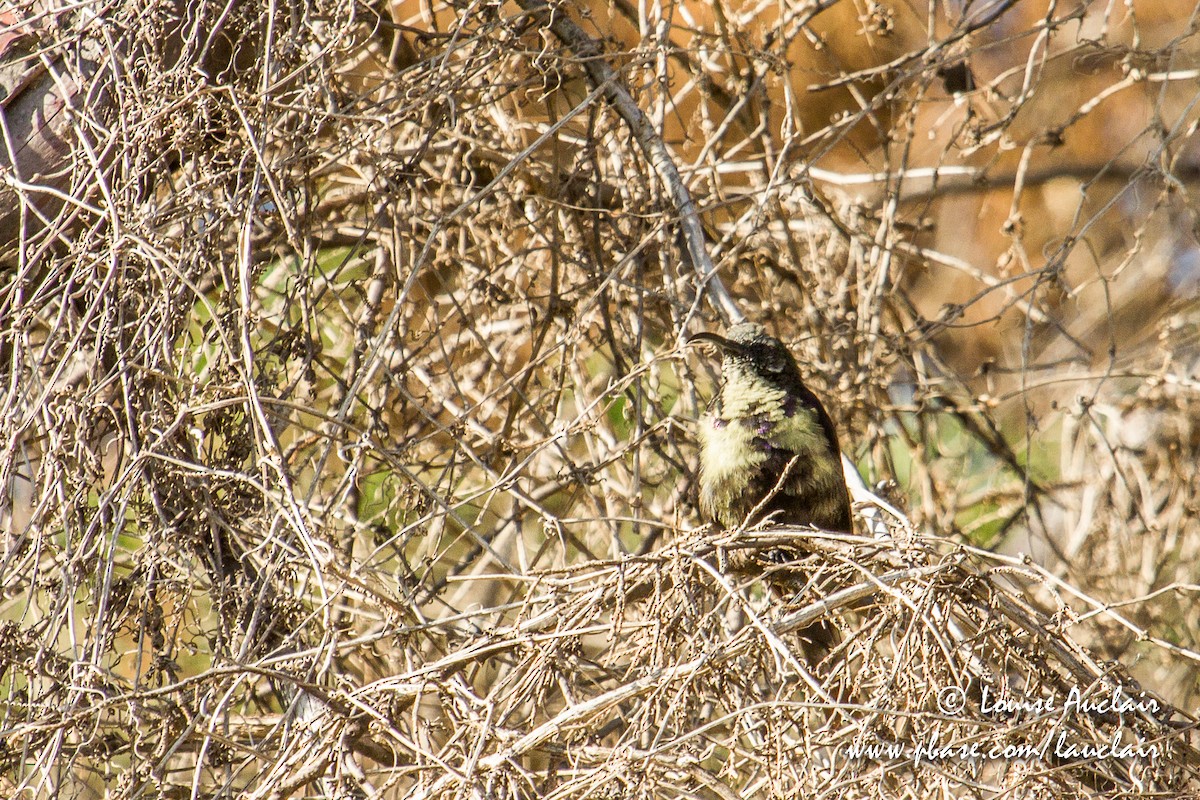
x: 775, y: 364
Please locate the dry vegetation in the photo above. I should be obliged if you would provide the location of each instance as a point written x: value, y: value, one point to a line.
x: 347, y: 444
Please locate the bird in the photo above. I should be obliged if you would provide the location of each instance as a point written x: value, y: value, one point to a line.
x: 768, y: 448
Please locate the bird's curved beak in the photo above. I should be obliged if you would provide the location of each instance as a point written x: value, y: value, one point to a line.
x: 719, y: 341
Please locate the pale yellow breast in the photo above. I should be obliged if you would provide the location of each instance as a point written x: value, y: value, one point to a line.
x: 728, y: 462
x: 730, y: 458
x: 728, y: 453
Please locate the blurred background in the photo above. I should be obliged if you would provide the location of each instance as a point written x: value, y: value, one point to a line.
x: 329, y: 330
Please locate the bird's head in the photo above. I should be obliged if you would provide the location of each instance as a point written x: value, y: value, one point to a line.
x: 748, y: 348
